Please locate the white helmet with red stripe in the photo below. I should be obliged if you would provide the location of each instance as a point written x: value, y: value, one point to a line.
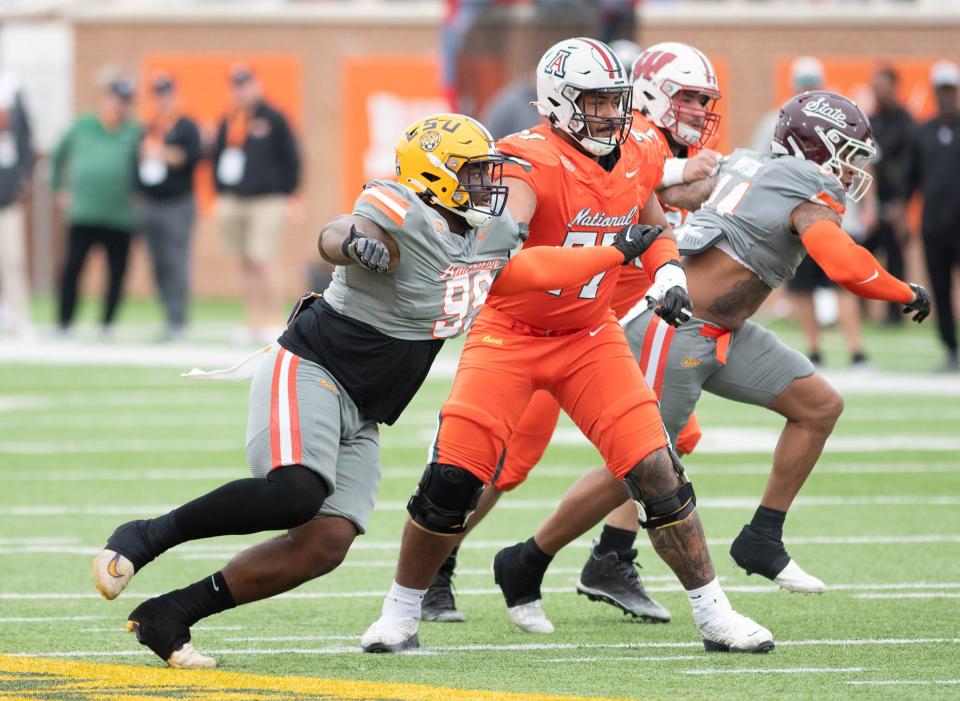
x: 572, y: 76
x: 661, y: 76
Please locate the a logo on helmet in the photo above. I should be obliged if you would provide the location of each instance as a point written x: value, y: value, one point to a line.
x: 558, y: 64
x: 651, y: 62
x: 429, y: 140
x: 822, y: 108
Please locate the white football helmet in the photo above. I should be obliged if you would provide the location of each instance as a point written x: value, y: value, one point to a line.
x: 569, y: 74
x: 661, y: 74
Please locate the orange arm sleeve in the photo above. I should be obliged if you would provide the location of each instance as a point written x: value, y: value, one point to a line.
x: 552, y: 267
x: 850, y: 265
x: 661, y: 252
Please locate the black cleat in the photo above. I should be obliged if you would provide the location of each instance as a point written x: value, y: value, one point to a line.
x: 156, y: 626
x: 439, y: 604
x: 613, y: 579
x: 760, y: 554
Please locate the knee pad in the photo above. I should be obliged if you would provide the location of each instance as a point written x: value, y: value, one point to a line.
x: 298, y: 491
x: 663, y: 511
x: 444, y: 499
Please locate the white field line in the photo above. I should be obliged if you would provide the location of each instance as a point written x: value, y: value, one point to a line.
x: 41, y: 510
x: 547, y: 471
x: 914, y: 595
x: 50, y: 619
x: 780, y: 670
x: 517, y: 647
x: 905, y: 682
x: 194, y: 629
x: 609, y: 658
x: 118, y: 446
x: 184, y: 396
x: 136, y: 420
x: 492, y: 591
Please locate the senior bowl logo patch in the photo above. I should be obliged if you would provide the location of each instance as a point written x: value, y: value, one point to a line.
x: 690, y: 363
x: 439, y: 226
x: 567, y: 164
x: 429, y: 140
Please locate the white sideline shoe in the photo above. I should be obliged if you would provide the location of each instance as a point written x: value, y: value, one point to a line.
x: 530, y: 617
x: 187, y: 657
x: 793, y: 578
x: 733, y: 632
x: 391, y: 634
x: 112, y: 573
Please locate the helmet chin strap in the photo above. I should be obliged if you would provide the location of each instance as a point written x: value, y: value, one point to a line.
x: 688, y: 134
x: 581, y: 132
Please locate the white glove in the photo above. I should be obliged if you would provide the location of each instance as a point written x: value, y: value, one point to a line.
x: 668, y: 294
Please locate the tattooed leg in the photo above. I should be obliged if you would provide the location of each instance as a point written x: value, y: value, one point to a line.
x: 681, y: 544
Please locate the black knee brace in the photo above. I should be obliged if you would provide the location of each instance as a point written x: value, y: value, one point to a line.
x: 444, y: 499
x: 659, y: 512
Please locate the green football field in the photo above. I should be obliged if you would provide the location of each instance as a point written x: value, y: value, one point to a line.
x: 84, y: 447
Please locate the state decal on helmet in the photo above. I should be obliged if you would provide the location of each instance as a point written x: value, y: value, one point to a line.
x: 451, y: 161
x: 575, y: 78
x: 832, y: 131
x: 676, y: 85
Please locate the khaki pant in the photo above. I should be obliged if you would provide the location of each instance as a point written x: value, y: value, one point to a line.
x: 14, y: 283
x: 251, y: 226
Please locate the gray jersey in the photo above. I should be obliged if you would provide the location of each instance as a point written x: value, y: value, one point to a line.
x: 443, y: 278
x: 748, y: 212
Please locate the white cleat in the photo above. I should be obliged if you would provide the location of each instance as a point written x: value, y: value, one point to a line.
x: 112, y: 573
x: 733, y: 632
x: 187, y: 657
x: 530, y: 617
x: 793, y: 578
x: 391, y: 634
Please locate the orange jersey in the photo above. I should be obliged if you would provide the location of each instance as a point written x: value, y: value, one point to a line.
x: 578, y: 204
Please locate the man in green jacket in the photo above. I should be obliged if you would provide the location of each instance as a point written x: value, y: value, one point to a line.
x: 95, y: 176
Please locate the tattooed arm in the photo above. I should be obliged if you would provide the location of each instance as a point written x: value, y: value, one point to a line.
x: 688, y: 196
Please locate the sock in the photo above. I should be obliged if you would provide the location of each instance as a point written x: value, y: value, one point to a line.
x: 159, y: 535
x: 450, y: 564
x: 615, y: 540
x: 402, y: 602
x: 201, y: 599
x: 768, y: 522
x: 708, y: 601
x: 533, y: 558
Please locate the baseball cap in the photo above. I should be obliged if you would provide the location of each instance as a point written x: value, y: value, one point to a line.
x: 162, y: 83
x: 806, y: 73
x: 945, y: 74
x: 240, y: 74
x: 123, y: 87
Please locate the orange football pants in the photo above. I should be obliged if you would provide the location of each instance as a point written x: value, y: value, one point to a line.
x: 591, y: 374
x: 535, y: 429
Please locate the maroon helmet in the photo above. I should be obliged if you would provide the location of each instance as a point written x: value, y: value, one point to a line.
x: 830, y: 130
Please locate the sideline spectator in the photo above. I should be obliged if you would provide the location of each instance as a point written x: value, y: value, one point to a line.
x: 893, y: 129
x: 95, y: 177
x: 16, y: 163
x: 168, y: 155
x: 257, y: 168
x: 935, y: 171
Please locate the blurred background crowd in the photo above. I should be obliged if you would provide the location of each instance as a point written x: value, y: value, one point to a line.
x: 191, y: 151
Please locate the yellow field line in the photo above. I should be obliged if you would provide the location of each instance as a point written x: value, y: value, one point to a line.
x: 29, y: 677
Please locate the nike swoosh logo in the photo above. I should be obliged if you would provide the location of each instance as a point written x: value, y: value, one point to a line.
x: 876, y: 274
x: 214, y: 583
x: 631, y: 173
x: 597, y: 330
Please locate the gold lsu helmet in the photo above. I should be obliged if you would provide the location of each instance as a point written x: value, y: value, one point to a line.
x: 451, y: 161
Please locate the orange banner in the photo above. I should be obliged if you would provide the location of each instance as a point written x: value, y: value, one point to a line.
x: 204, y: 88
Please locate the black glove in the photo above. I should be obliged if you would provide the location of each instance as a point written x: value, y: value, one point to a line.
x: 921, y: 305
x: 369, y: 253
x: 676, y: 308
x: 633, y: 239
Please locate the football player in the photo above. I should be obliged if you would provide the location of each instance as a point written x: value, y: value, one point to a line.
x: 574, y: 180
x: 762, y: 214
x: 416, y: 260
x: 674, y: 94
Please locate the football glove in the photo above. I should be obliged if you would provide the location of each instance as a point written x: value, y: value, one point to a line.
x: 921, y: 305
x: 668, y: 294
x: 633, y: 239
x: 369, y: 253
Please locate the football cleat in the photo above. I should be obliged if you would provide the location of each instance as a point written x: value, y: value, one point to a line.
x: 530, y: 617
x: 732, y: 632
x: 112, y: 573
x: 438, y: 603
x: 760, y: 554
x: 169, y: 638
x: 613, y: 579
x: 391, y: 634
